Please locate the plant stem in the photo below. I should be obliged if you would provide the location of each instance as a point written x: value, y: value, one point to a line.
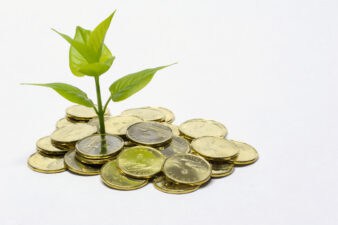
x: 100, y: 115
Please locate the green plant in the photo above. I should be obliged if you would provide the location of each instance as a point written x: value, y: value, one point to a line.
x: 89, y: 56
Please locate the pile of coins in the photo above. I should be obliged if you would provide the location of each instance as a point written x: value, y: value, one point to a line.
x: 141, y: 145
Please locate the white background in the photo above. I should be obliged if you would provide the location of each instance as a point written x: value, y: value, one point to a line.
x: 266, y: 69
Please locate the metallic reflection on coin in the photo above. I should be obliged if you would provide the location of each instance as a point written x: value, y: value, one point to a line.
x: 196, y: 128
x: 149, y: 133
x: 45, y: 146
x: 73, y: 133
x: 173, y: 128
x: 93, y: 162
x: 140, y: 161
x: 62, y: 123
x: 95, y: 121
x: 46, y: 164
x: 247, y: 154
x: 221, y: 169
x: 177, y: 145
x: 118, y: 125
x: 169, y: 116
x: 215, y: 148
x: 90, y: 147
x: 146, y: 114
x: 113, y: 178
x: 77, y: 167
x: 80, y: 112
x: 167, y: 186
x: 187, y: 169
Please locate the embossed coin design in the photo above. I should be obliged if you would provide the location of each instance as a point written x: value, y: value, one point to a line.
x: 62, y: 123
x: 146, y: 114
x: 169, y: 116
x: 161, y: 183
x: 78, y: 167
x: 46, y: 164
x: 187, y: 169
x: 118, y: 125
x: 177, y: 145
x: 247, y: 154
x: 72, y: 133
x: 221, y: 169
x: 149, y: 133
x: 196, y: 128
x: 215, y: 148
x: 140, y: 161
x: 45, y: 146
x: 113, y: 178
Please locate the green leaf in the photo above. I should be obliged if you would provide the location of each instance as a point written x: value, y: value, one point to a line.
x: 132, y: 83
x: 97, y: 36
x: 69, y: 92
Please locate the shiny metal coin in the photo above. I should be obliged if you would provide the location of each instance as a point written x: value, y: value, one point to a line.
x: 93, y: 162
x: 80, y: 112
x: 95, y: 121
x: 90, y: 147
x: 140, y: 161
x: 173, y: 128
x: 221, y: 169
x: 247, y: 154
x: 118, y: 125
x: 196, y: 128
x: 149, y: 133
x: 78, y: 167
x: 112, y: 177
x: 63, y: 122
x: 145, y: 113
x: 187, y: 169
x: 178, y: 145
x: 161, y: 183
x: 169, y: 116
x: 45, y: 146
x: 215, y: 148
x: 72, y: 133
x: 46, y: 164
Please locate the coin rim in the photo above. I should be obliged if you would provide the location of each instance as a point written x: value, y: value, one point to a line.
x: 168, y: 191
x: 205, y: 120
x: 75, y: 171
x: 45, y: 171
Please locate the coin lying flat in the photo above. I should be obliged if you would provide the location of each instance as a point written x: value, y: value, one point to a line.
x: 146, y: 114
x: 167, y: 186
x: 247, y: 154
x: 169, y: 116
x: 90, y: 147
x: 174, y: 128
x: 45, y: 146
x: 77, y: 167
x: 63, y: 122
x: 215, y: 148
x: 113, y: 178
x: 187, y: 169
x: 46, y: 164
x: 177, y: 145
x: 73, y: 133
x: 140, y: 161
x: 196, y: 128
x: 80, y: 112
x: 118, y: 125
x: 221, y: 169
x: 149, y: 133
x: 95, y: 121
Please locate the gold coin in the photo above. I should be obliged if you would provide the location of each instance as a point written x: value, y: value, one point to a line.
x: 173, y: 128
x: 187, y: 169
x: 93, y: 162
x: 80, y: 112
x: 145, y: 113
x: 169, y: 116
x: 78, y: 167
x: 46, y: 164
x: 63, y: 122
x: 45, y: 146
x: 215, y: 148
x: 90, y: 147
x: 196, y: 128
x: 177, y: 145
x: 140, y: 161
x: 112, y: 177
x: 161, y: 183
x: 149, y: 133
x: 221, y: 169
x: 118, y: 125
x: 72, y: 133
x: 247, y: 154
x: 95, y: 121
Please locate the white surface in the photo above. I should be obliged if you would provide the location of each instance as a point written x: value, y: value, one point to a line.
x: 266, y: 69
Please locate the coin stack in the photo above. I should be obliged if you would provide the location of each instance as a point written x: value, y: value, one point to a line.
x: 141, y: 145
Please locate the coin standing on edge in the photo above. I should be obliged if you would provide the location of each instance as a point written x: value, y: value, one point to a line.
x: 161, y: 183
x: 140, y: 161
x: 113, y: 178
x: 187, y: 169
x: 77, y: 167
x: 247, y: 154
x: 46, y: 164
x: 196, y: 128
x: 146, y: 114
